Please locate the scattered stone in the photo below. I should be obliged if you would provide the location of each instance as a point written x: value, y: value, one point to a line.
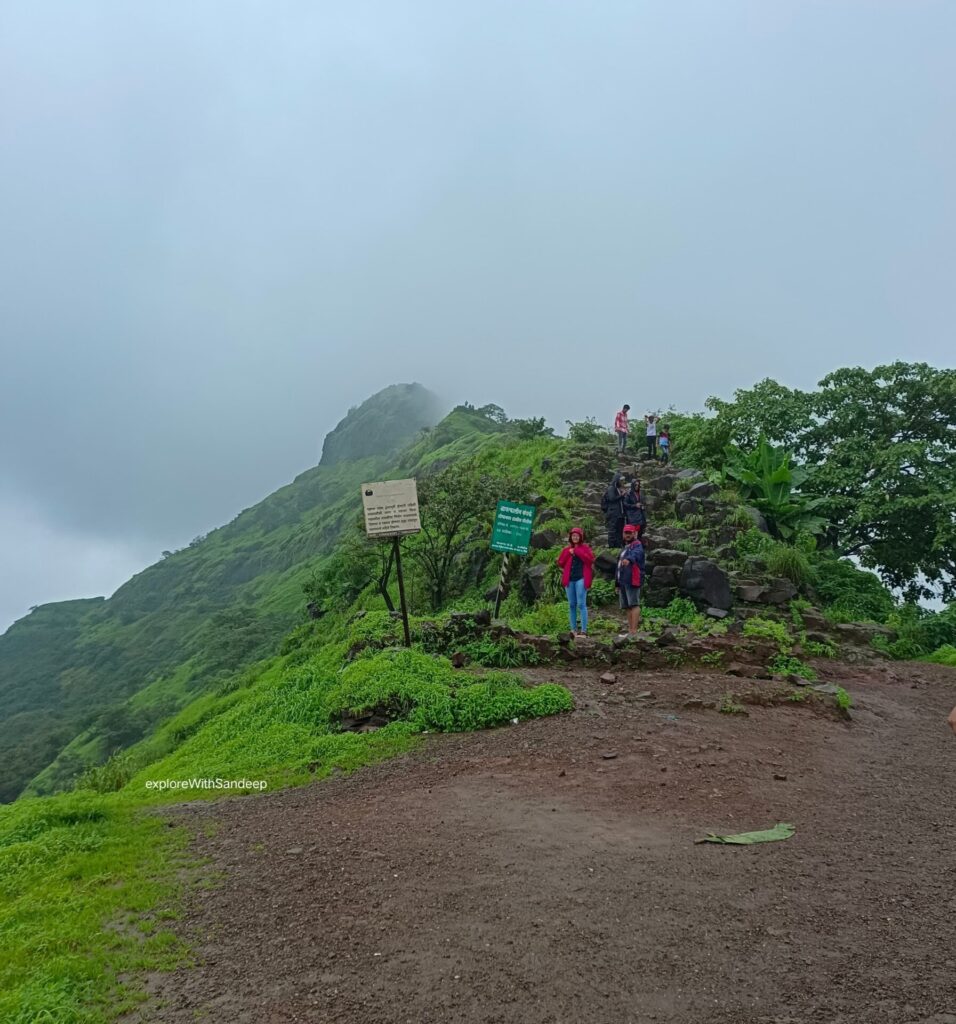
x: 751, y: 592
x: 294, y: 851
x: 779, y: 777
x: 562, y: 773
x: 645, y: 695
x: 794, y: 680
x: 717, y: 613
x: 608, y: 677
x: 534, y: 581
x: 689, y: 474
x: 830, y: 689
x: 609, y: 755
x: 780, y: 591
x: 458, y: 659
x: 694, y: 702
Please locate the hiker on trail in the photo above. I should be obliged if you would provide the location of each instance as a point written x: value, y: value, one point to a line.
x: 630, y: 574
x: 650, y: 428
x: 621, y: 427
x: 612, y: 505
x: 634, y: 512
x: 576, y: 562
x: 664, y: 443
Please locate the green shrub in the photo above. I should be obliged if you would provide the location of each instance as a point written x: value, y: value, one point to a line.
x: 945, y: 655
x: 543, y: 620
x: 602, y: 593
x: 786, y: 561
x: 507, y: 652
x: 787, y: 664
x: 918, y: 632
x: 850, y: 594
x: 768, y: 629
x: 818, y: 649
x: 842, y: 699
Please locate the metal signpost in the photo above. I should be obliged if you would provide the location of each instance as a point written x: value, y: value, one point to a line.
x: 391, y: 510
x: 511, y: 534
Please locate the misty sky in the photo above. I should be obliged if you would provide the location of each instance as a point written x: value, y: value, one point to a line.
x: 222, y: 223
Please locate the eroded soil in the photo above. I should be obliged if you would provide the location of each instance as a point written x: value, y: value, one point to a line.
x: 547, y: 872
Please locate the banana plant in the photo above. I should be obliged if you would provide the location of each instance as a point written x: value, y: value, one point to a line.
x: 768, y: 479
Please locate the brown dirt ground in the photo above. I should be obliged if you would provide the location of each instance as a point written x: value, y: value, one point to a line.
x: 520, y: 875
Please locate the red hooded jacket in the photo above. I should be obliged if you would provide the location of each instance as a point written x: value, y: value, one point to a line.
x: 584, y: 552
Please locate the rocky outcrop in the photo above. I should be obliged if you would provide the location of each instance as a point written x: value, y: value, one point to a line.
x: 705, y: 583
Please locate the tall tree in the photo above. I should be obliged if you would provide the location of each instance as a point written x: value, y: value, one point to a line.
x: 457, y: 505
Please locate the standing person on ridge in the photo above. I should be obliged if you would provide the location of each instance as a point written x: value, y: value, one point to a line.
x: 629, y: 577
x: 664, y: 443
x: 576, y: 562
x: 650, y: 426
x: 621, y: 427
x: 634, y: 512
x: 612, y: 505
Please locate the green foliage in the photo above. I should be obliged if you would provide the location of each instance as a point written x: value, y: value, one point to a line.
x: 769, y: 480
x: 881, y: 448
x: 850, y: 594
x: 843, y: 700
x: 544, y: 619
x: 918, y: 631
x: 587, y: 431
x: 506, y: 652
x: 457, y: 506
x: 602, y: 593
x: 529, y: 429
x: 768, y: 629
x: 945, y: 655
x: 694, y: 521
x: 818, y: 649
x: 787, y: 664
x: 712, y: 658
x: 789, y: 562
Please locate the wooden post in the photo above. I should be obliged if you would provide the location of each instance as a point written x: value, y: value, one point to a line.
x: 401, y: 589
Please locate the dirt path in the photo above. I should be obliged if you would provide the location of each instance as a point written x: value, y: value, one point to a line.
x: 523, y: 875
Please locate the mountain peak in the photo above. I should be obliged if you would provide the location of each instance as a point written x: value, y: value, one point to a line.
x: 382, y: 423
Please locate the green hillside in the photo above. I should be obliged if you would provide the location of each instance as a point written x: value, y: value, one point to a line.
x: 209, y: 666
x: 67, y: 669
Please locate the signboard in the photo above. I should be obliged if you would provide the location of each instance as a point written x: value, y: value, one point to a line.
x: 391, y: 508
x: 512, y: 530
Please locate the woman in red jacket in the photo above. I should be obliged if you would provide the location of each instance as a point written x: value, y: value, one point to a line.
x: 577, y: 562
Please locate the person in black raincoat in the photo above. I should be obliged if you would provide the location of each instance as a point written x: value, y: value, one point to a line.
x: 634, y: 512
x: 612, y: 505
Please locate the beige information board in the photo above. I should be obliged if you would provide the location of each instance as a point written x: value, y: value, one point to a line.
x: 391, y: 508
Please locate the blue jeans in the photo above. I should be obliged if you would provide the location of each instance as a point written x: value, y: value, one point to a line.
x: 577, y: 599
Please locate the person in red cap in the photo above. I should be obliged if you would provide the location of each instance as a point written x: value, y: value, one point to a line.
x: 630, y: 576
x: 577, y: 562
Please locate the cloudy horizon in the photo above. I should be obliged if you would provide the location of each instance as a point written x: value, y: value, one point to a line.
x: 224, y: 225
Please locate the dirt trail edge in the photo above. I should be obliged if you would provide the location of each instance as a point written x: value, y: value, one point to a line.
x: 546, y: 873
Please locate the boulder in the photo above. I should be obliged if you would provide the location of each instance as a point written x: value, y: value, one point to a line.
x: 606, y: 561
x: 757, y: 518
x: 544, y: 539
x: 666, y: 556
x: 689, y: 474
x: 688, y: 507
x: 705, y: 583
x: 717, y: 613
x: 702, y: 490
x: 750, y: 592
x: 664, y: 575
x: 534, y: 580
x: 862, y: 633
x: 779, y: 591
x: 547, y: 514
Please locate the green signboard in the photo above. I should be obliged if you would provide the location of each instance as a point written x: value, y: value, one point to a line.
x: 512, y: 529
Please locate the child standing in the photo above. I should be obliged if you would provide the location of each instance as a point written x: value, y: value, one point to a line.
x: 577, y: 561
x: 664, y: 443
x: 650, y: 429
